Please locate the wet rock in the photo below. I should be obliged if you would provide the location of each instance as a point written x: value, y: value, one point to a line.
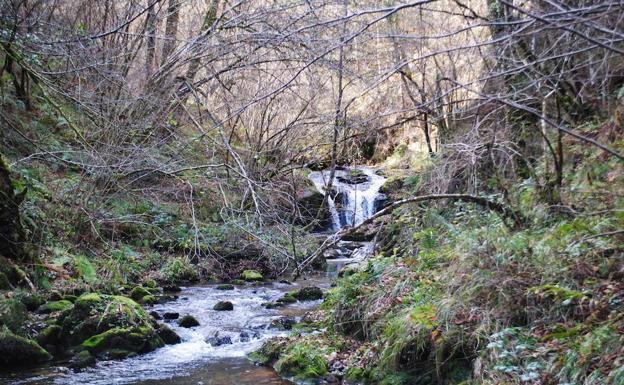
x: 121, y: 342
x: 238, y: 282
x: 223, y: 306
x: 168, y: 336
x: 246, y: 337
x: 283, y: 323
x: 252, y: 275
x: 148, y: 300
x: 312, y: 210
x: 17, y: 350
x: 225, y: 286
x: 155, y: 315
x: 55, y: 306
x: 354, y: 177
x: 171, y: 315
x: 272, y: 305
x: 50, y: 335
x: 81, y: 360
x: 219, y: 341
x: 285, y: 282
x: 287, y: 298
x: 171, y: 288
x: 363, y: 234
x: 94, y: 314
x: 166, y: 298
x: 188, y: 321
x: 310, y: 293
x: 139, y: 293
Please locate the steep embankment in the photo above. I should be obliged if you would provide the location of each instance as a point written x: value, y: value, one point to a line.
x: 456, y: 296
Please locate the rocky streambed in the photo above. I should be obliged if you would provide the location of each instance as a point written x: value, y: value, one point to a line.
x: 211, y: 351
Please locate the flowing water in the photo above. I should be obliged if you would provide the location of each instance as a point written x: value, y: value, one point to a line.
x: 194, y: 361
x: 350, y: 203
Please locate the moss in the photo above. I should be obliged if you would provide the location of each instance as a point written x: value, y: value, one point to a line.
x: 302, y: 362
x: 252, y: 275
x: 168, y: 336
x: 55, y: 306
x: 269, y: 352
x: 148, y: 300
x: 150, y: 283
x: 88, y: 301
x: 238, y: 282
x: 223, y: 306
x: 225, y: 286
x: 308, y: 294
x: 137, y: 340
x: 287, y: 298
x: 50, y: 335
x: 188, y: 321
x: 31, y: 300
x: 16, y: 350
x: 13, y: 314
x: 82, y: 360
x: 138, y: 293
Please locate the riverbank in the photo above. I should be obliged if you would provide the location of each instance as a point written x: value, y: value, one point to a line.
x: 458, y: 295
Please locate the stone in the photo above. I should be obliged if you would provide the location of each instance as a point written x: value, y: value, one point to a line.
x: 155, y: 315
x: 188, y: 321
x: 287, y: 298
x: 223, y: 306
x: 120, y: 342
x: 219, y: 341
x: 171, y: 288
x: 138, y: 293
x: 354, y: 177
x: 168, y: 336
x: 283, y: 323
x: 50, y: 335
x: 16, y: 350
x: 225, y: 286
x: 252, y: 275
x: 171, y: 315
x: 55, y: 306
x: 82, y: 359
x: 310, y: 293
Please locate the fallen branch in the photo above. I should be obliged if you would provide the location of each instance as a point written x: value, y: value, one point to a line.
x: 332, y: 240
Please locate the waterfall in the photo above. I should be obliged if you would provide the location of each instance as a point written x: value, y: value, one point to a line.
x: 354, y: 197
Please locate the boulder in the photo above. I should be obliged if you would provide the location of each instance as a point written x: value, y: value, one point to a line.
x: 283, y: 323
x: 310, y: 293
x: 252, y: 275
x: 82, y: 359
x: 50, y: 335
x: 94, y: 314
x: 218, y: 341
x: 171, y: 315
x: 287, y: 298
x: 354, y: 177
x: 310, y: 204
x: 122, y: 342
x: 168, y: 336
x: 188, y: 321
x: 223, y: 306
x: 16, y: 350
x: 55, y: 306
x: 139, y: 293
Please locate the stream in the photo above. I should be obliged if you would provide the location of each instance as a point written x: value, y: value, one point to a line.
x: 195, y: 361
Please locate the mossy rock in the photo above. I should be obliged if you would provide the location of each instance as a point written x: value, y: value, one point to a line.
x: 138, y: 293
x: 16, y: 350
x: 132, y: 340
x: 238, y: 282
x: 311, y: 293
x: 272, y: 305
x: 150, y: 283
x: 50, y: 335
x: 302, y: 363
x: 188, y: 321
x: 287, y: 298
x: 252, y: 275
x: 225, y: 286
x: 269, y: 352
x: 55, y: 306
x: 71, y: 298
x: 392, y: 185
x: 32, y: 301
x: 13, y: 314
x: 88, y: 301
x: 96, y: 313
x: 168, y: 336
x: 81, y: 360
x: 223, y: 306
x: 148, y: 300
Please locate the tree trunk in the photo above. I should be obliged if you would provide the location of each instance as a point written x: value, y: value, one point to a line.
x: 171, y: 29
x: 11, y: 232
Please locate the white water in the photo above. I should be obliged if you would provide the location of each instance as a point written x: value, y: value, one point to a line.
x: 358, y: 200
